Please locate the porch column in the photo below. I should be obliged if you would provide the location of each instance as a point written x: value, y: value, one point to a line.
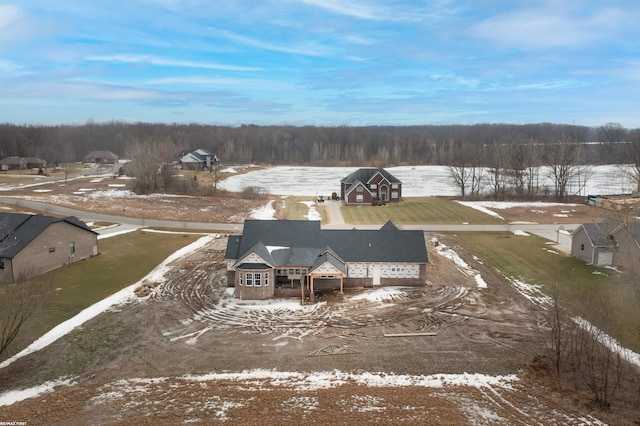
x: 341, y: 286
x: 311, y: 297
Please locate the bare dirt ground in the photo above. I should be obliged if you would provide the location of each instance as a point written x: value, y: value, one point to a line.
x: 107, y: 195
x: 191, y: 353
x: 179, y: 355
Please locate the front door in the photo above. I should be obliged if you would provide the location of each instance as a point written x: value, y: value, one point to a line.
x: 384, y: 190
x: 376, y: 274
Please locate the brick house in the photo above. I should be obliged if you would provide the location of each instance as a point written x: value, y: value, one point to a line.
x: 291, y: 258
x: 33, y: 244
x: 370, y: 186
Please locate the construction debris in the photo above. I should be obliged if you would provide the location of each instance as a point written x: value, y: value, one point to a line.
x: 409, y: 334
x: 334, y: 350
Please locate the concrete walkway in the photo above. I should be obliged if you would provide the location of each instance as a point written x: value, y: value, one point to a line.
x: 334, y: 215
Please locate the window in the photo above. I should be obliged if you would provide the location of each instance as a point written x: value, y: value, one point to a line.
x: 241, y: 278
x: 359, y: 198
x: 359, y: 189
x: 1, y: 264
x: 373, y: 186
x: 72, y: 247
x: 257, y: 278
x: 394, y: 186
x: 394, y: 194
x: 582, y: 247
x: 52, y: 249
x: 266, y: 279
x: 249, y: 278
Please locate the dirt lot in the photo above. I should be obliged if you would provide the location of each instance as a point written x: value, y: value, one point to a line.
x: 168, y: 358
x: 191, y: 353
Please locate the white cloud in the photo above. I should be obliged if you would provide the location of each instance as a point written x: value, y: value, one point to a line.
x: 549, y: 26
x: 348, y: 8
x: 308, y: 48
x: 153, y: 60
x: 9, y: 14
x: 385, y: 11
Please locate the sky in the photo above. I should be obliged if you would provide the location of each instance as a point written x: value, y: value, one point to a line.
x: 320, y: 62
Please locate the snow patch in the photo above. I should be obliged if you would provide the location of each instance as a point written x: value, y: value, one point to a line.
x: 266, y: 212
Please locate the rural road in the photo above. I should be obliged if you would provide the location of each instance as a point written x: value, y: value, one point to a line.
x: 552, y: 232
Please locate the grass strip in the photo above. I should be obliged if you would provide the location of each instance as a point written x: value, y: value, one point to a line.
x: 603, y: 296
x: 123, y: 261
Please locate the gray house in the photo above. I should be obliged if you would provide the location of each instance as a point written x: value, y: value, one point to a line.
x: 33, y: 244
x: 200, y: 159
x: 293, y: 258
x: 608, y: 243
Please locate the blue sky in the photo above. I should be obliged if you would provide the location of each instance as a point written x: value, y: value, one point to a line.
x: 320, y: 62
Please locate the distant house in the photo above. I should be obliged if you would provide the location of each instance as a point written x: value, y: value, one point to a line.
x: 33, y: 244
x: 283, y: 258
x: 13, y: 163
x: 608, y: 243
x: 35, y: 163
x: 200, y: 159
x: 367, y: 186
x: 101, y: 157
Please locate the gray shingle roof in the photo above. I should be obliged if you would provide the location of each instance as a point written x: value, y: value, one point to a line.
x: 18, y: 230
x: 598, y: 233
x: 302, y: 242
x: 366, y: 174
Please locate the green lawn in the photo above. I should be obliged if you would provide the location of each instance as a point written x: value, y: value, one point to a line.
x: 602, y: 296
x: 123, y: 260
x: 432, y: 210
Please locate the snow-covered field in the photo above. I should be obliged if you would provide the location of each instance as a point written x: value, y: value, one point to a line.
x: 417, y: 180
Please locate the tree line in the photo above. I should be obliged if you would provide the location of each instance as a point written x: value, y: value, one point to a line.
x: 308, y: 145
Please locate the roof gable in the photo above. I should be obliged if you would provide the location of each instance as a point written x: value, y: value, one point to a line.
x: 328, y: 262
x: 366, y: 174
x: 257, y: 254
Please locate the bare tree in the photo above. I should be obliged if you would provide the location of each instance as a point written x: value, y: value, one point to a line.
x: 466, y: 171
x: 582, y: 352
x: 565, y: 169
x: 18, y: 302
x: 497, y: 162
x: 148, y: 156
x: 611, y: 134
x: 633, y: 155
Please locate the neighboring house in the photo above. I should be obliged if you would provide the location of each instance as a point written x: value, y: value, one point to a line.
x: 21, y: 163
x: 13, y: 163
x: 35, y: 163
x: 289, y: 258
x: 370, y: 186
x: 590, y: 242
x: 101, y: 157
x: 200, y: 159
x: 33, y: 244
x: 608, y: 243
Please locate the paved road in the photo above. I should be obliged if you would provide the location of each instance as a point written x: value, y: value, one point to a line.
x: 553, y: 232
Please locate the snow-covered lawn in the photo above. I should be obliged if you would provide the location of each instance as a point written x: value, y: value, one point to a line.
x: 417, y: 180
